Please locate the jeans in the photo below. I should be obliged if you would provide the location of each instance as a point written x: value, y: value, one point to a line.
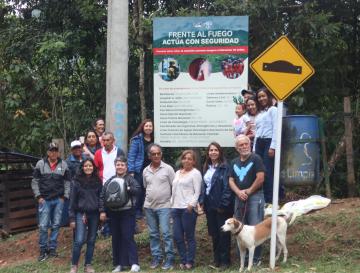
x: 160, y: 218
x: 254, y: 214
x: 262, y: 148
x: 123, y: 243
x: 85, y: 231
x: 140, y: 197
x: 65, y: 214
x: 221, y: 240
x: 184, y: 234
x: 50, y: 212
x: 106, y: 228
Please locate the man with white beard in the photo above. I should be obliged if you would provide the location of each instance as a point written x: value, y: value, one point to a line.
x: 246, y: 179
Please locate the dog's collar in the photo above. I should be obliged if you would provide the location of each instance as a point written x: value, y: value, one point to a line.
x: 239, y: 229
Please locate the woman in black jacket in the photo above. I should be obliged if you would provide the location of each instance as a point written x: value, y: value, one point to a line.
x: 84, y: 213
x: 218, y: 202
x: 118, y: 196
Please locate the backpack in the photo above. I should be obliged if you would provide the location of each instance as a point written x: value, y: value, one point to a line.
x: 116, y: 194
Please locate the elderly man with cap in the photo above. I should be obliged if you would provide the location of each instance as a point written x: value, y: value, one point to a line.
x: 51, y: 186
x: 75, y: 158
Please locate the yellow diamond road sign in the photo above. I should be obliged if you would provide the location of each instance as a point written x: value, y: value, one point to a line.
x: 282, y: 68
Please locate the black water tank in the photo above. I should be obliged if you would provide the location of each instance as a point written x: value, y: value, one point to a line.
x: 300, y: 150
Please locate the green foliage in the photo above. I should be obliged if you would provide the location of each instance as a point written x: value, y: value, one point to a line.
x: 52, y: 72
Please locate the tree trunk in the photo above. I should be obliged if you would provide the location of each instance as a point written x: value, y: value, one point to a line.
x: 324, y: 158
x: 142, y: 84
x: 139, y: 15
x: 349, y: 148
x: 336, y: 155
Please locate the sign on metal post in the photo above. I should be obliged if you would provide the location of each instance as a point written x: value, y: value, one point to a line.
x: 282, y: 69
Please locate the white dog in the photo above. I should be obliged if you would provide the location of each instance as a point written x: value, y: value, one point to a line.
x: 249, y: 237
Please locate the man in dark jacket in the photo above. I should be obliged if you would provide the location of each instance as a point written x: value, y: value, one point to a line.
x: 75, y: 158
x: 73, y: 161
x: 51, y: 186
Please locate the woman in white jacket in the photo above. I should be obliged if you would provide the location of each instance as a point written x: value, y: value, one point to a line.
x: 186, y: 189
x: 265, y: 139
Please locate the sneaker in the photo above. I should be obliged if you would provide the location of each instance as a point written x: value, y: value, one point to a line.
x: 73, y: 269
x: 117, y: 269
x: 257, y: 263
x: 154, y: 263
x: 168, y: 265
x: 43, y: 255
x: 215, y: 266
x: 89, y: 269
x: 135, y: 268
x: 53, y: 253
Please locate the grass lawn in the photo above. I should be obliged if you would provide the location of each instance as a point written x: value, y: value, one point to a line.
x: 322, y: 242
x: 324, y: 265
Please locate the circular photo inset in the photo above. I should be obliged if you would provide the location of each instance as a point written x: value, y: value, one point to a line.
x: 232, y: 68
x: 200, y: 69
x: 169, y: 69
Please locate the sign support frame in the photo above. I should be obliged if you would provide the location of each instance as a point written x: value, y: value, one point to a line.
x: 275, y: 203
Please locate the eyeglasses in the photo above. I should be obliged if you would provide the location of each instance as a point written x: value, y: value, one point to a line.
x: 155, y: 154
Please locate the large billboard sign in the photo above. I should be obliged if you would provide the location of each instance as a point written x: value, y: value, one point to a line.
x: 200, y: 64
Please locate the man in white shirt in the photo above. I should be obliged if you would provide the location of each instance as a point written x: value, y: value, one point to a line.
x: 104, y: 158
x: 158, y: 178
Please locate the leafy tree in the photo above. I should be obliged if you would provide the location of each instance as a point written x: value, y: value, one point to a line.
x: 52, y: 70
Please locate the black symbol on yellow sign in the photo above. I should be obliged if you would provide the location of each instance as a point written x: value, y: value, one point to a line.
x: 283, y: 67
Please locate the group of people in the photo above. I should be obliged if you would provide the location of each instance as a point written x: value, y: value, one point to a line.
x: 93, y: 185
x: 103, y: 185
x: 256, y: 118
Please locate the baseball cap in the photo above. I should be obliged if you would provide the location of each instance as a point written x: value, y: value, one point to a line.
x: 53, y: 146
x: 247, y: 91
x: 75, y: 143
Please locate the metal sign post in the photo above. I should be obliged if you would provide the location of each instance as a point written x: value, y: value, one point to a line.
x: 276, y: 183
x: 283, y: 69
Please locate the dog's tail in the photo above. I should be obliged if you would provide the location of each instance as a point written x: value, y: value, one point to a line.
x: 290, y: 218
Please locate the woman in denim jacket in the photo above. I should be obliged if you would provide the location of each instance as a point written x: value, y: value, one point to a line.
x: 138, y: 158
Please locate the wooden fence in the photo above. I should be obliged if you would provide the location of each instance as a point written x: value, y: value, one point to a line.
x: 17, y: 204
